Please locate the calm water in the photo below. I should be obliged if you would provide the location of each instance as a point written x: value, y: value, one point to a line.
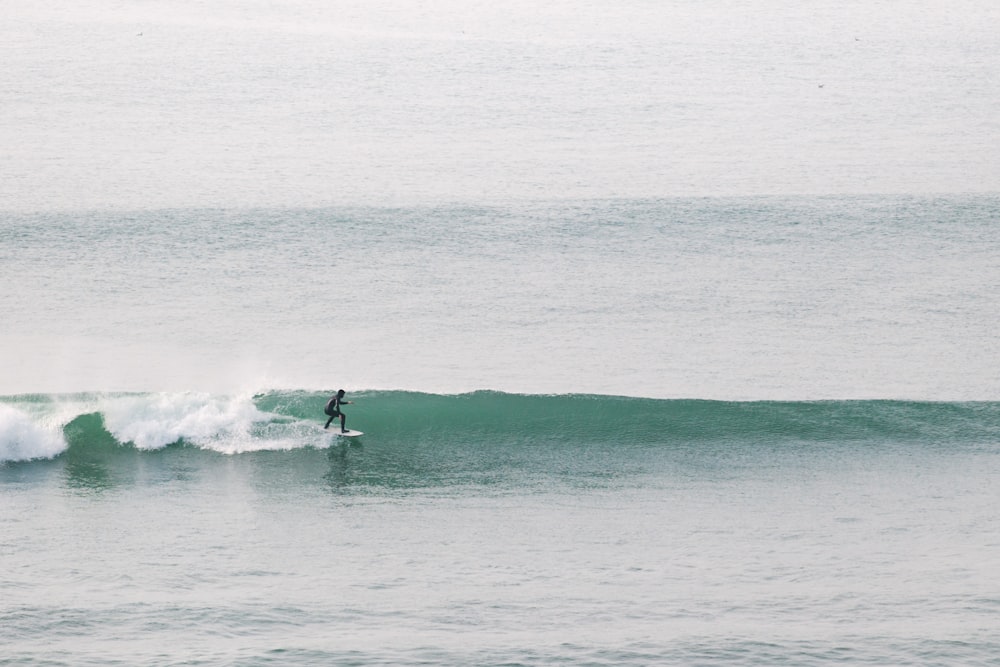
x: 671, y: 330
x: 746, y: 298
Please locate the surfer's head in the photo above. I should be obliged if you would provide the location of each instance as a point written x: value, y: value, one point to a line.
x: 340, y: 394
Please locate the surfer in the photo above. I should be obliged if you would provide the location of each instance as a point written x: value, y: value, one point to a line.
x: 333, y: 409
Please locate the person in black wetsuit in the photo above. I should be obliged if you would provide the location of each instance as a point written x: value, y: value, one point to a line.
x: 333, y: 409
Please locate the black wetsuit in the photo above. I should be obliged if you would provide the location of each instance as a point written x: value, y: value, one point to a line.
x: 333, y: 409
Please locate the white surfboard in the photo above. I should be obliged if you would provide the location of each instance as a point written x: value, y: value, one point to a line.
x: 341, y: 434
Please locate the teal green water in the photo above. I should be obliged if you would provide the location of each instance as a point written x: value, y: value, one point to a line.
x: 40, y: 426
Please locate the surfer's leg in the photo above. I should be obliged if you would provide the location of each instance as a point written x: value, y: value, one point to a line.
x: 328, y: 422
x: 343, y: 423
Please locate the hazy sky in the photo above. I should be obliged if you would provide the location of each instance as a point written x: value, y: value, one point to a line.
x: 157, y: 104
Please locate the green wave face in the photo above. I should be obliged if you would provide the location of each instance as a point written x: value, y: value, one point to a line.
x: 494, y: 417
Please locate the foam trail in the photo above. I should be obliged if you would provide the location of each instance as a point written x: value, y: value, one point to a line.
x: 153, y: 421
x: 22, y: 439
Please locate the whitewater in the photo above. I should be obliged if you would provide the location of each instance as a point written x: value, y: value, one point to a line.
x: 671, y: 329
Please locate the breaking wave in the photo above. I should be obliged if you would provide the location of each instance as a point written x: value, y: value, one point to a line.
x: 45, y: 426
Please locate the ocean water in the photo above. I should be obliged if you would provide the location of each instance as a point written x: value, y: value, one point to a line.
x: 491, y: 528
x: 671, y: 329
x: 784, y: 298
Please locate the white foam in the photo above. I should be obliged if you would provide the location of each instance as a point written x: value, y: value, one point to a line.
x: 228, y: 424
x: 23, y: 439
